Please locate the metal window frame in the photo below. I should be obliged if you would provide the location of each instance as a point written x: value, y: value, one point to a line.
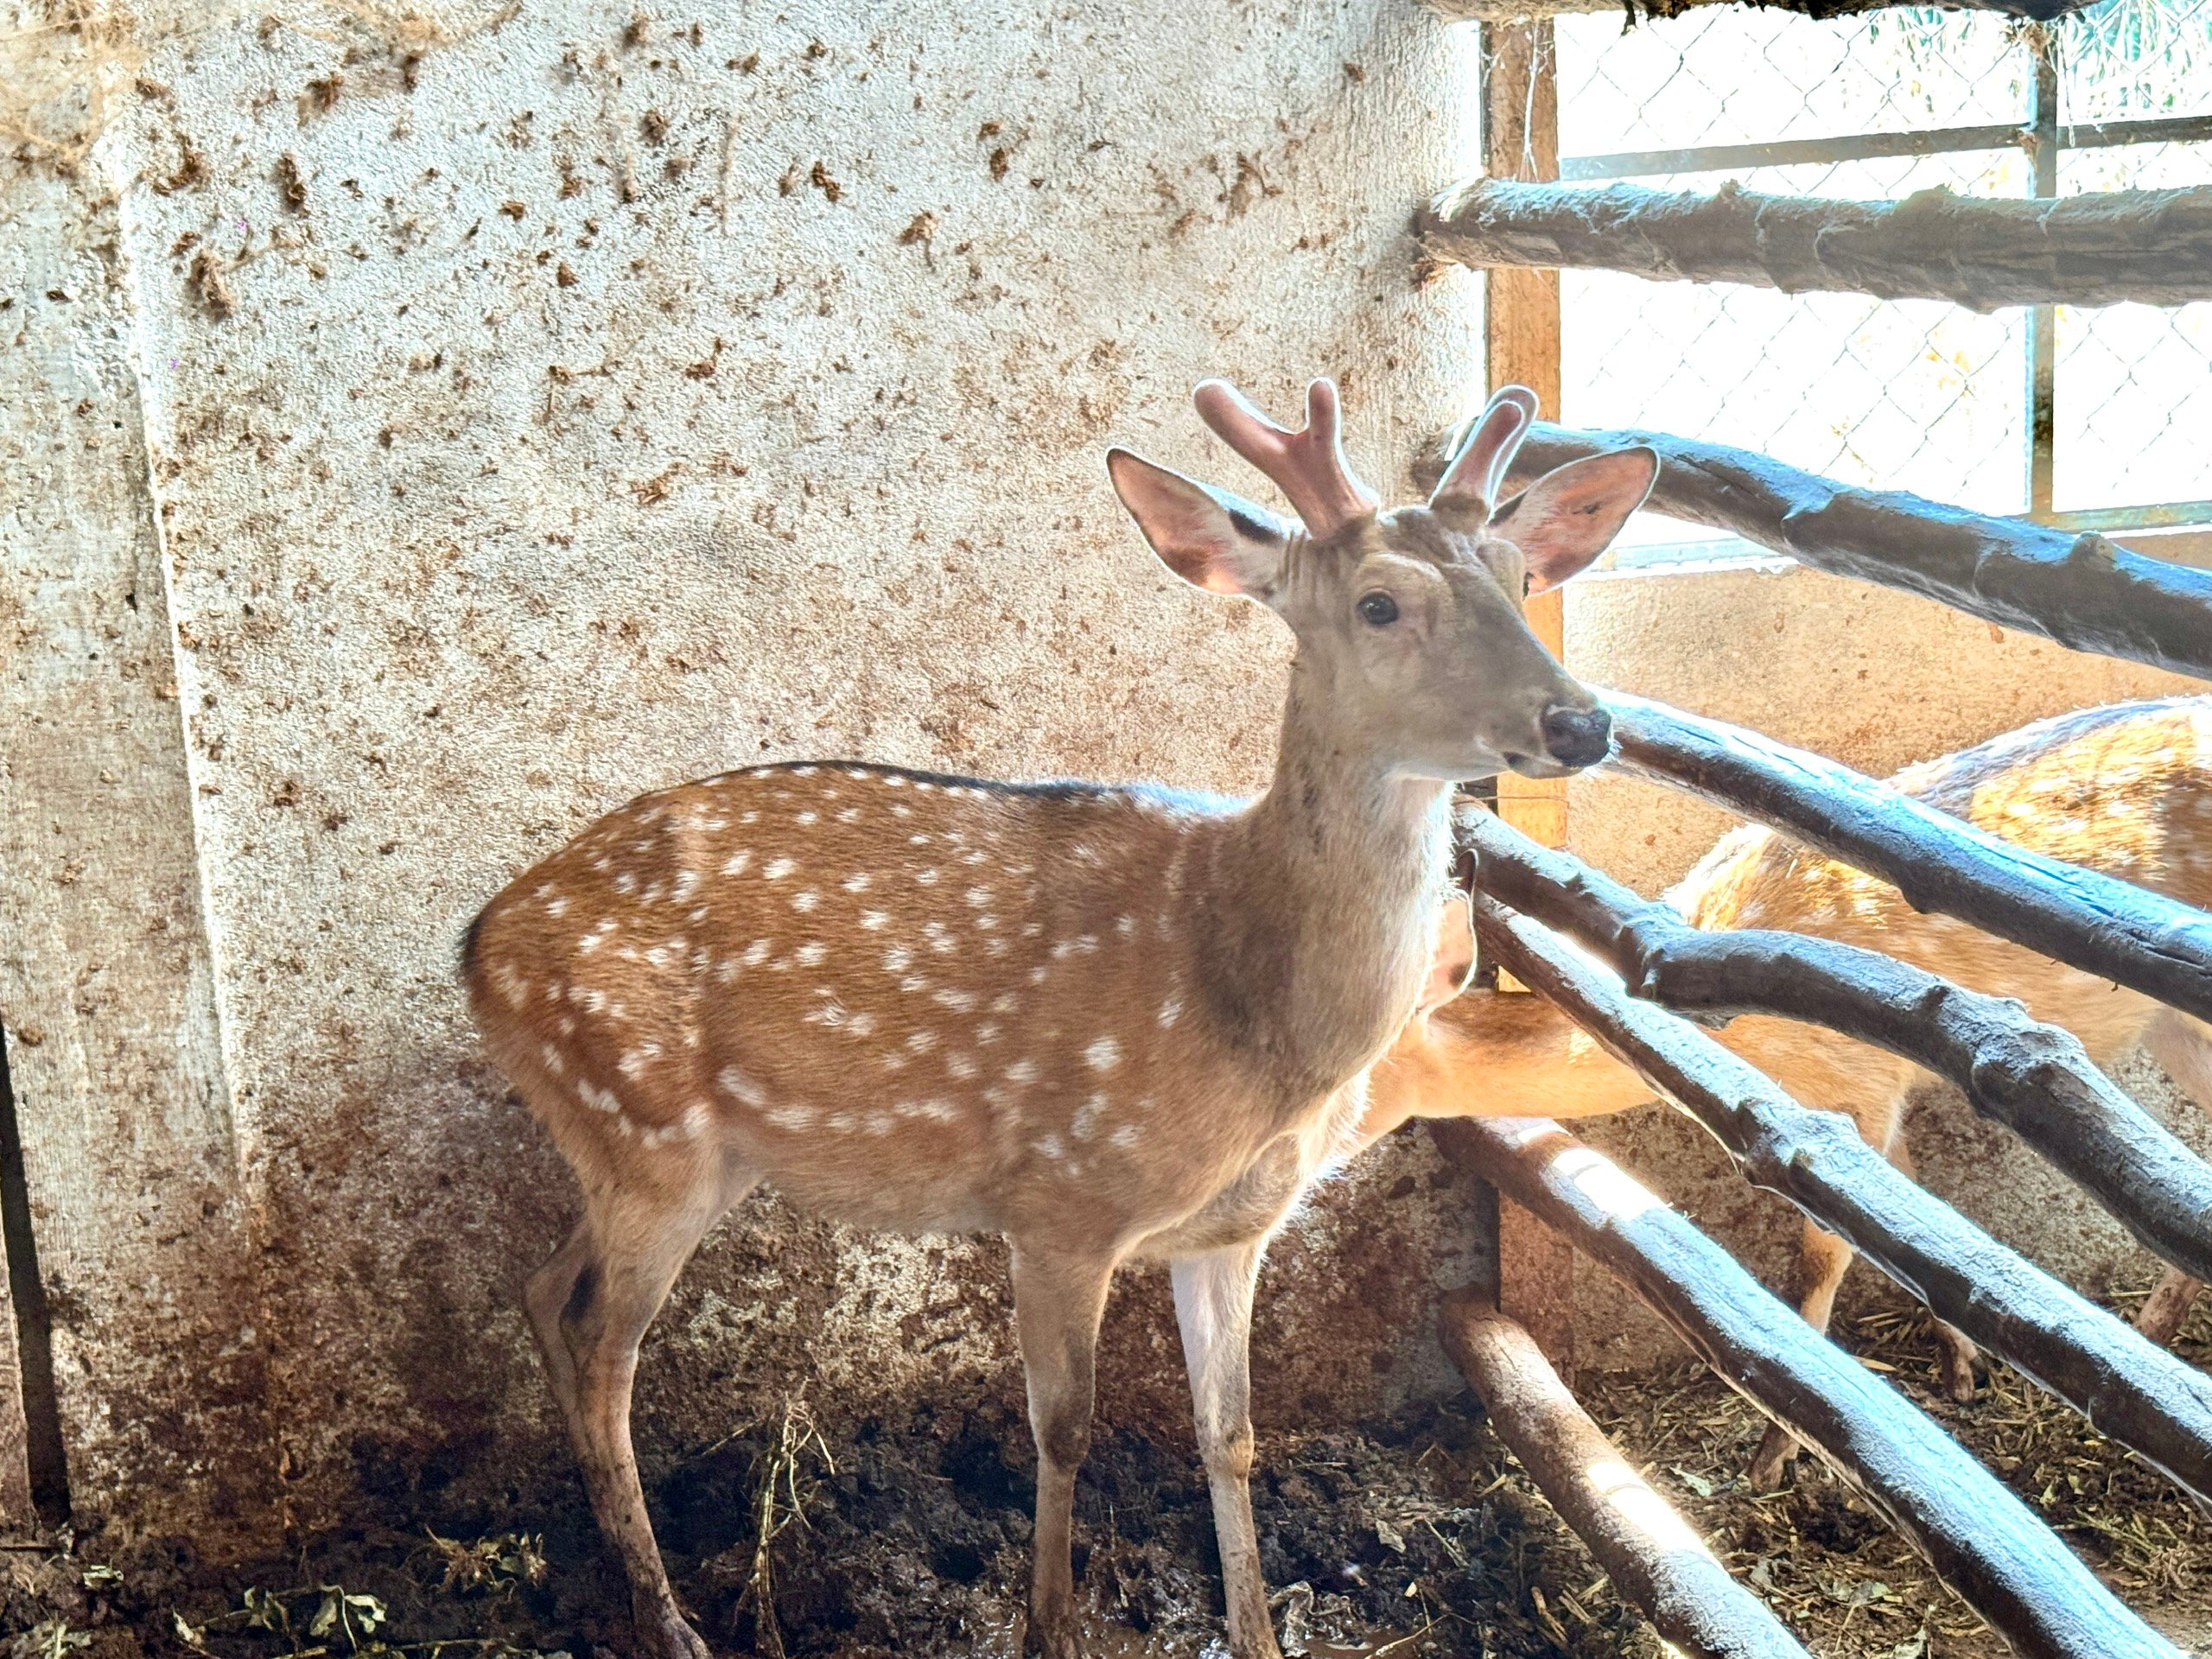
x: 2042, y: 138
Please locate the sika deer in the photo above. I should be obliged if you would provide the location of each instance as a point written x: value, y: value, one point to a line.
x: 2126, y: 789
x: 1108, y: 1022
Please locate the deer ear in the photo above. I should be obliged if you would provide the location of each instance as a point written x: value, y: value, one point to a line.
x: 1209, y: 538
x: 1568, y: 517
x: 1453, y: 962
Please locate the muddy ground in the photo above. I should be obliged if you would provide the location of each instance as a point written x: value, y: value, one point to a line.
x: 1417, y: 1536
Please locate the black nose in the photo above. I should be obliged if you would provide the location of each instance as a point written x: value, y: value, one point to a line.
x: 1577, y: 737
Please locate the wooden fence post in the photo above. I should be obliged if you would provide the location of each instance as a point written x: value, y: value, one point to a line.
x: 1521, y: 338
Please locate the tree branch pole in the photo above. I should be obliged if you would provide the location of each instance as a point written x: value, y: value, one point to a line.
x: 2035, y: 1079
x: 2149, y: 247
x: 2102, y: 926
x: 2130, y: 1389
x: 1983, y: 1540
x: 2079, y: 589
x: 1653, y: 1556
x: 1522, y: 11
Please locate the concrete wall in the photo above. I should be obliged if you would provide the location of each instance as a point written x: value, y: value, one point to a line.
x: 420, y: 437
x: 1876, y: 678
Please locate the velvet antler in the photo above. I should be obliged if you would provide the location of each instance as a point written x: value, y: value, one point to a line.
x: 1308, y: 466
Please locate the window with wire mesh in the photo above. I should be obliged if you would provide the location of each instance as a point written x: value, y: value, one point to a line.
x: 1914, y: 395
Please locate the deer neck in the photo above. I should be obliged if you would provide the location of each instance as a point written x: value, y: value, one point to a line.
x: 1324, y: 896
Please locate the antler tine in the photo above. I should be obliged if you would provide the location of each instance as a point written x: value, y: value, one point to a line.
x: 1307, y: 465
x: 1524, y: 401
x: 1480, y: 469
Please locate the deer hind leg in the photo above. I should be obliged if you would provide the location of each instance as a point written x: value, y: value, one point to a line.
x: 2183, y: 1046
x: 1822, y: 1261
x: 1962, y: 1361
x: 591, y: 1304
x: 1058, y: 1298
x: 1213, y: 1307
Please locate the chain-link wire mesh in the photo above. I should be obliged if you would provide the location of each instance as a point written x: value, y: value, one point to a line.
x: 1911, y: 395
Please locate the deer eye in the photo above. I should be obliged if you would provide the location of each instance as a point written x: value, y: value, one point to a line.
x: 1527, y: 584
x: 1378, y: 610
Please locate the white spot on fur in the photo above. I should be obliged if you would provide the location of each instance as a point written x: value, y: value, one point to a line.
x: 925, y: 878
x: 598, y: 1099
x: 777, y: 868
x: 1171, y: 1010
x: 978, y: 897
x: 739, y: 1087
x: 634, y: 1064
x: 1105, y: 1054
x: 811, y: 953
x: 987, y: 1032
x: 791, y: 1118
x: 551, y: 1056
x: 687, y: 883
x: 896, y: 959
x: 558, y: 905
x: 913, y: 983
x: 921, y: 1041
x: 805, y: 899
x: 1126, y: 1137
x: 735, y: 863
x: 1085, y: 1124
x: 872, y: 919
x: 961, y: 1065
x: 807, y: 817
x: 860, y: 1024
x: 1022, y: 1072
x: 857, y: 883
x: 1051, y: 1147
x: 959, y: 1001
x: 849, y: 815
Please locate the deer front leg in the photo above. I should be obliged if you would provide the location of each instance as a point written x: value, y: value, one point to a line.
x: 1058, y: 1298
x: 1822, y: 1260
x: 1213, y: 1307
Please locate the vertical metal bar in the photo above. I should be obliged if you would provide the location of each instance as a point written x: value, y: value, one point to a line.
x: 1536, y: 1267
x: 2042, y: 135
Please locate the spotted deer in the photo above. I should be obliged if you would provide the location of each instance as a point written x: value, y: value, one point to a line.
x: 2125, y: 790
x: 1107, y: 1021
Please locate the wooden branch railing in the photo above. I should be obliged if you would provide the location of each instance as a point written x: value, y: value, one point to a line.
x: 1654, y: 1559
x: 2035, y: 1079
x: 2078, y: 589
x: 1977, y: 1534
x: 1516, y: 11
x: 2133, y: 1391
x: 2152, y: 247
x: 2103, y: 925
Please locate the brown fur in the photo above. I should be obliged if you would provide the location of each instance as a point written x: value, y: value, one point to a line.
x: 1106, y: 1021
x: 2125, y: 790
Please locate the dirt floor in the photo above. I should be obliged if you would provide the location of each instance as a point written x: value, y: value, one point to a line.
x: 1416, y: 1537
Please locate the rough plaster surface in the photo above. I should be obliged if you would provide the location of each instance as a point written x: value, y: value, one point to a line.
x: 1878, y: 679
x: 483, y: 423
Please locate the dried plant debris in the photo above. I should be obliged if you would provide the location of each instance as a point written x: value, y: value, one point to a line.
x: 1418, y: 1538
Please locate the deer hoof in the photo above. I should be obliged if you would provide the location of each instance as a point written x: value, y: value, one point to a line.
x: 1056, y: 1636
x: 664, y: 1634
x: 1771, y: 1460
x: 1959, y: 1378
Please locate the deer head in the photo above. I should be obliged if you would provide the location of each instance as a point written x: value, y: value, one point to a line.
x: 1409, y: 621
